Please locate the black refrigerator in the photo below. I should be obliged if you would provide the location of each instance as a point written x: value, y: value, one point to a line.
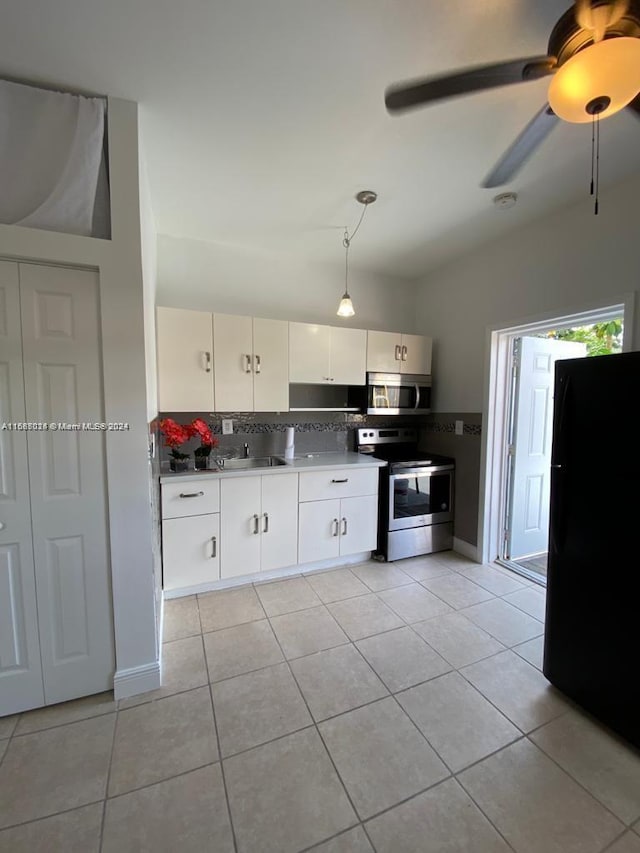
x: 592, y: 630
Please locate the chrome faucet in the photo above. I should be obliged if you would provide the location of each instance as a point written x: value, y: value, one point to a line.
x: 246, y: 450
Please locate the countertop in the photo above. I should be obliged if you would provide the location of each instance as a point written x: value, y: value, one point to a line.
x: 306, y: 462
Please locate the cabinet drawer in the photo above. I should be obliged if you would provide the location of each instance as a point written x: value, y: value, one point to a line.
x: 190, y: 497
x: 339, y: 483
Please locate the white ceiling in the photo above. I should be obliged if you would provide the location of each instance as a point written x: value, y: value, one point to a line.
x: 262, y: 118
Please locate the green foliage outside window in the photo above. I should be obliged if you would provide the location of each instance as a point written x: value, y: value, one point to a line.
x: 600, y: 338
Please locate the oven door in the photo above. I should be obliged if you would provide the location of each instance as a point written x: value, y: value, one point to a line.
x: 398, y: 394
x: 420, y: 496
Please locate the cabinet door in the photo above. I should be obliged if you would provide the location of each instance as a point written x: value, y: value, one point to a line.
x: 270, y: 365
x: 190, y: 551
x: 20, y: 670
x: 63, y: 382
x: 279, y: 522
x: 318, y: 531
x: 309, y: 349
x: 358, y: 524
x: 233, y: 362
x: 240, y: 523
x: 383, y: 352
x: 416, y: 354
x: 185, y: 350
x: 348, y: 356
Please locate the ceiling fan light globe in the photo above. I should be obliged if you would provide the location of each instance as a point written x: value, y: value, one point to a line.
x: 346, y: 309
x: 609, y: 69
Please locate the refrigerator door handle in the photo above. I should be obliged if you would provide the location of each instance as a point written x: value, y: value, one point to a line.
x: 557, y: 467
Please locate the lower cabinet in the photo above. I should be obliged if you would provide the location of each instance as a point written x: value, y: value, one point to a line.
x: 190, y: 550
x: 335, y: 528
x: 259, y: 517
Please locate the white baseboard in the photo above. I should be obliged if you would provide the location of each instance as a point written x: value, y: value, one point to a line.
x: 466, y: 549
x: 276, y: 574
x: 138, y: 679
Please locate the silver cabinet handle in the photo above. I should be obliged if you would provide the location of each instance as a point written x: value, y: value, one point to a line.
x: 256, y: 524
x: 257, y: 361
x: 247, y: 367
x: 346, y: 480
x: 328, y: 378
x: 265, y: 529
x: 336, y: 527
x: 191, y: 494
x: 207, y: 362
x: 404, y: 353
x: 214, y: 547
x: 344, y: 527
x: 398, y: 349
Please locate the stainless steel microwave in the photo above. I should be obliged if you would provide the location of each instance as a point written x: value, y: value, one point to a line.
x: 398, y: 394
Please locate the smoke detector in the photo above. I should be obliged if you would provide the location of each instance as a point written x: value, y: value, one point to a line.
x: 503, y: 201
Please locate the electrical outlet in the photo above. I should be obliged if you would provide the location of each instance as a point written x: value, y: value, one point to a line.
x: 227, y: 426
x: 459, y: 427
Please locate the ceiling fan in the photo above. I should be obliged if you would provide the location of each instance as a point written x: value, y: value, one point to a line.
x: 593, y: 60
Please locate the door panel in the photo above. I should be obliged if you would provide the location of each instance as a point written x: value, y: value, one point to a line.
x: 185, y: 350
x: 233, y: 362
x: 528, y: 529
x: 63, y: 381
x: 240, y: 524
x: 416, y: 354
x: 383, y: 352
x: 190, y: 551
x: 318, y: 537
x: 279, y: 522
x: 348, y: 356
x: 309, y: 347
x: 20, y: 668
x: 359, y: 524
x: 270, y: 365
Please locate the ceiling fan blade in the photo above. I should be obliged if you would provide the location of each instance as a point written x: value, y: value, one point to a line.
x: 404, y: 96
x: 519, y: 152
x: 635, y: 105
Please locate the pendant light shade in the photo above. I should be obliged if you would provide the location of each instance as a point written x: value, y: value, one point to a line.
x: 345, y: 308
x: 599, y: 80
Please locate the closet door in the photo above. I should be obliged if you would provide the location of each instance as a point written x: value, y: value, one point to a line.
x: 20, y: 671
x: 63, y: 384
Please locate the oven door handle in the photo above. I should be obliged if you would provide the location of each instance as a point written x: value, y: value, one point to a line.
x: 417, y: 405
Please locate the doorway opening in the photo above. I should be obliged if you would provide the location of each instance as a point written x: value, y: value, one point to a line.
x: 518, y: 450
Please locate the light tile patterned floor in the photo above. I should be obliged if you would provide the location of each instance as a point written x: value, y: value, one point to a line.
x: 391, y: 708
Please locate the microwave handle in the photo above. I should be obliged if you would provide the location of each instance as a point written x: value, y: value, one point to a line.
x: 417, y: 405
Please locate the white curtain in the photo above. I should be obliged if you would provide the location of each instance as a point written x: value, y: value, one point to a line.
x: 51, y: 148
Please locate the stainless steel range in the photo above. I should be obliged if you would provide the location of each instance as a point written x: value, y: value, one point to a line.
x: 416, y: 494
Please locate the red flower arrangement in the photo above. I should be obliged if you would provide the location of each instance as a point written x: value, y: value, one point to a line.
x: 175, y: 435
x: 207, y: 441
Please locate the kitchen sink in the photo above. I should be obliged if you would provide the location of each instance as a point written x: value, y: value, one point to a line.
x: 250, y: 462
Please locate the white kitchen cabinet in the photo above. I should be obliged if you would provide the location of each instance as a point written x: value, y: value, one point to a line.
x: 190, y: 551
x: 393, y: 352
x: 333, y: 528
x: 190, y: 497
x: 251, y: 364
x: 184, y: 358
x: 327, y: 354
x: 259, y: 522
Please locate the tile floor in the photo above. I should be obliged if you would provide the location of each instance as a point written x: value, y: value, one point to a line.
x: 397, y: 709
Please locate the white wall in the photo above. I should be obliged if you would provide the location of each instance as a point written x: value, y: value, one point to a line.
x: 571, y: 260
x: 119, y: 266
x: 209, y: 276
x: 149, y: 251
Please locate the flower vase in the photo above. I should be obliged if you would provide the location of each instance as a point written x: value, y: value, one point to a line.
x: 178, y: 464
x: 201, y: 462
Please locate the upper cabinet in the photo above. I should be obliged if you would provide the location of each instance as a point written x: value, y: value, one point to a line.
x: 251, y: 364
x: 391, y: 352
x: 185, y: 369
x: 327, y: 354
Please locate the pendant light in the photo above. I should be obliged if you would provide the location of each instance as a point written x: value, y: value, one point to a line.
x: 365, y: 198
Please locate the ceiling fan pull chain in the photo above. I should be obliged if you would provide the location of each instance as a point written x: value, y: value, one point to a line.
x: 593, y: 149
x: 595, y: 209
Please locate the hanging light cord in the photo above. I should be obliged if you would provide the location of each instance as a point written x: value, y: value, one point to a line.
x: 346, y: 242
x: 595, y: 160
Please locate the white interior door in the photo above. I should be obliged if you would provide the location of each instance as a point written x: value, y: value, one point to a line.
x: 20, y: 670
x: 63, y: 383
x: 528, y: 525
x: 270, y: 365
x: 233, y: 362
x: 185, y: 350
x: 279, y: 521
